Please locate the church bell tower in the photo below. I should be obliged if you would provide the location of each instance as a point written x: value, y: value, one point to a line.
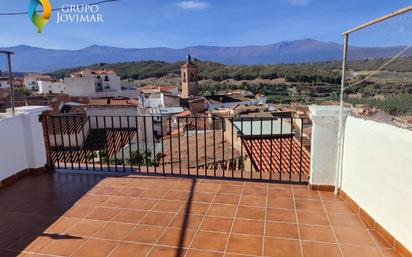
x: 189, y: 79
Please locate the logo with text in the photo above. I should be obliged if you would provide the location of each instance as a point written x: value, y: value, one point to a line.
x: 43, y: 19
x: 80, y: 13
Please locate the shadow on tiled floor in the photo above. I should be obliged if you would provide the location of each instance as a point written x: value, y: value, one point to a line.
x: 90, y: 215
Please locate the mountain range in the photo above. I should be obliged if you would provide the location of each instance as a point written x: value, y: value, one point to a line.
x: 34, y: 59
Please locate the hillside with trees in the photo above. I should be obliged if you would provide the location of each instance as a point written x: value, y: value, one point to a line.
x: 282, y: 83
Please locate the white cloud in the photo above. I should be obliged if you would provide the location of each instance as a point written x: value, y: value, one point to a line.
x: 193, y: 5
x: 299, y: 2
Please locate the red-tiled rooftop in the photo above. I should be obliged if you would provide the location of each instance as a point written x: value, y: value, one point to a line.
x: 78, y: 215
x: 279, y: 155
x: 210, y: 148
x: 110, y: 141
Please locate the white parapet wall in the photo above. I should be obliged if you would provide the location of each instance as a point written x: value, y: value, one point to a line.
x: 324, y: 144
x: 377, y: 174
x: 21, y: 141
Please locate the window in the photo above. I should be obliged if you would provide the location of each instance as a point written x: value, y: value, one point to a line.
x: 192, y: 77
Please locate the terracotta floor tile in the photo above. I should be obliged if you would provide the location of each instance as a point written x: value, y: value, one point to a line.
x: 284, y: 230
x: 31, y: 241
x: 62, y: 247
x: 329, y: 196
x: 163, y: 184
x: 353, y: 236
x: 131, y: 250
x: 200, y: 253
x: 142, y: 204
x: 280, y: 192
x: 207, y: 187
x: 281, y: 248
x: 9, y: 253
x: 31, y: 222
x: 79, y: 211
x: 335, y: 206
x: 130, y: 191
x: 360, y: 251
x: 107, y: 190
x: 227, y: 199
x: 308, y: 205
x: 95, y: 248
x: 114, y: 231
x: 195, y: 208
x: 255, y: 191
x: 159, y: 251
x: 280, y: 186
x: 306, y: 194
x: 86, y: 228
x: 168, y: 205
x: 214, y: 241
x: 177, y: 195
x: 312, y: 218
x: 130, y: 216
x: 281, y: 215
x: 118, y: 202
x: 315, y: 249
x: 153, y: 194
x: 188, y: 221
x: 250, y: 227
x: 230, y: 189
x: 145, y: 234
x: 61, y: 225
x: 102, y: 213
x: 183, y: 186
x: 317, y: 233
x: 281, y: 203
x: 390, y: 253
x: 158, y: 218
x: 245, y: 244
x: 222, y: 210
x: 203, y: 197
x: 94, y: 200
x: 141, y: 182
x: 253, y: 200
x: 380, y: 241
x: 177, y: 237
x: 247, y: 212
x: 216, y: 224
x: 346, y: 220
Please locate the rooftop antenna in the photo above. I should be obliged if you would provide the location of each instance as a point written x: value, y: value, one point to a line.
x: 12, y: 105
x: 346, y: 34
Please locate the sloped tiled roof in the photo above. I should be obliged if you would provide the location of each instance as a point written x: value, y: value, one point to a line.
x: 274, y: 155
x: 111, y: 140
x: 210, y: 147
x: 66, y: 124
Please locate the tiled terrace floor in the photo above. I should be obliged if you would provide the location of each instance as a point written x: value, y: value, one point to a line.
x: 89, y: 215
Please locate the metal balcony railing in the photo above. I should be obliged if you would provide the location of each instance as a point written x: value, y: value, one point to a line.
x: 249, y: 148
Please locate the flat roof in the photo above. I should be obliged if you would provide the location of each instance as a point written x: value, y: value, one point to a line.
x: 264, y: 127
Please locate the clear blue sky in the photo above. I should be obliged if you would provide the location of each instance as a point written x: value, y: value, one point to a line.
x: 177, y: 24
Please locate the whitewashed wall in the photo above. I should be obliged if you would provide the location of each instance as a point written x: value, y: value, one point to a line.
x: 21, y: 142
x: 377, y: 174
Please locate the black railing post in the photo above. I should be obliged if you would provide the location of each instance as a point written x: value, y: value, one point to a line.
x: 100, y: 152
x: 138, y: 155
x: 178, y: 145
x: 105, y: 150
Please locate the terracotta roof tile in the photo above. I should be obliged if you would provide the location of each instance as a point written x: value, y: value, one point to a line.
x: 273, y: 155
